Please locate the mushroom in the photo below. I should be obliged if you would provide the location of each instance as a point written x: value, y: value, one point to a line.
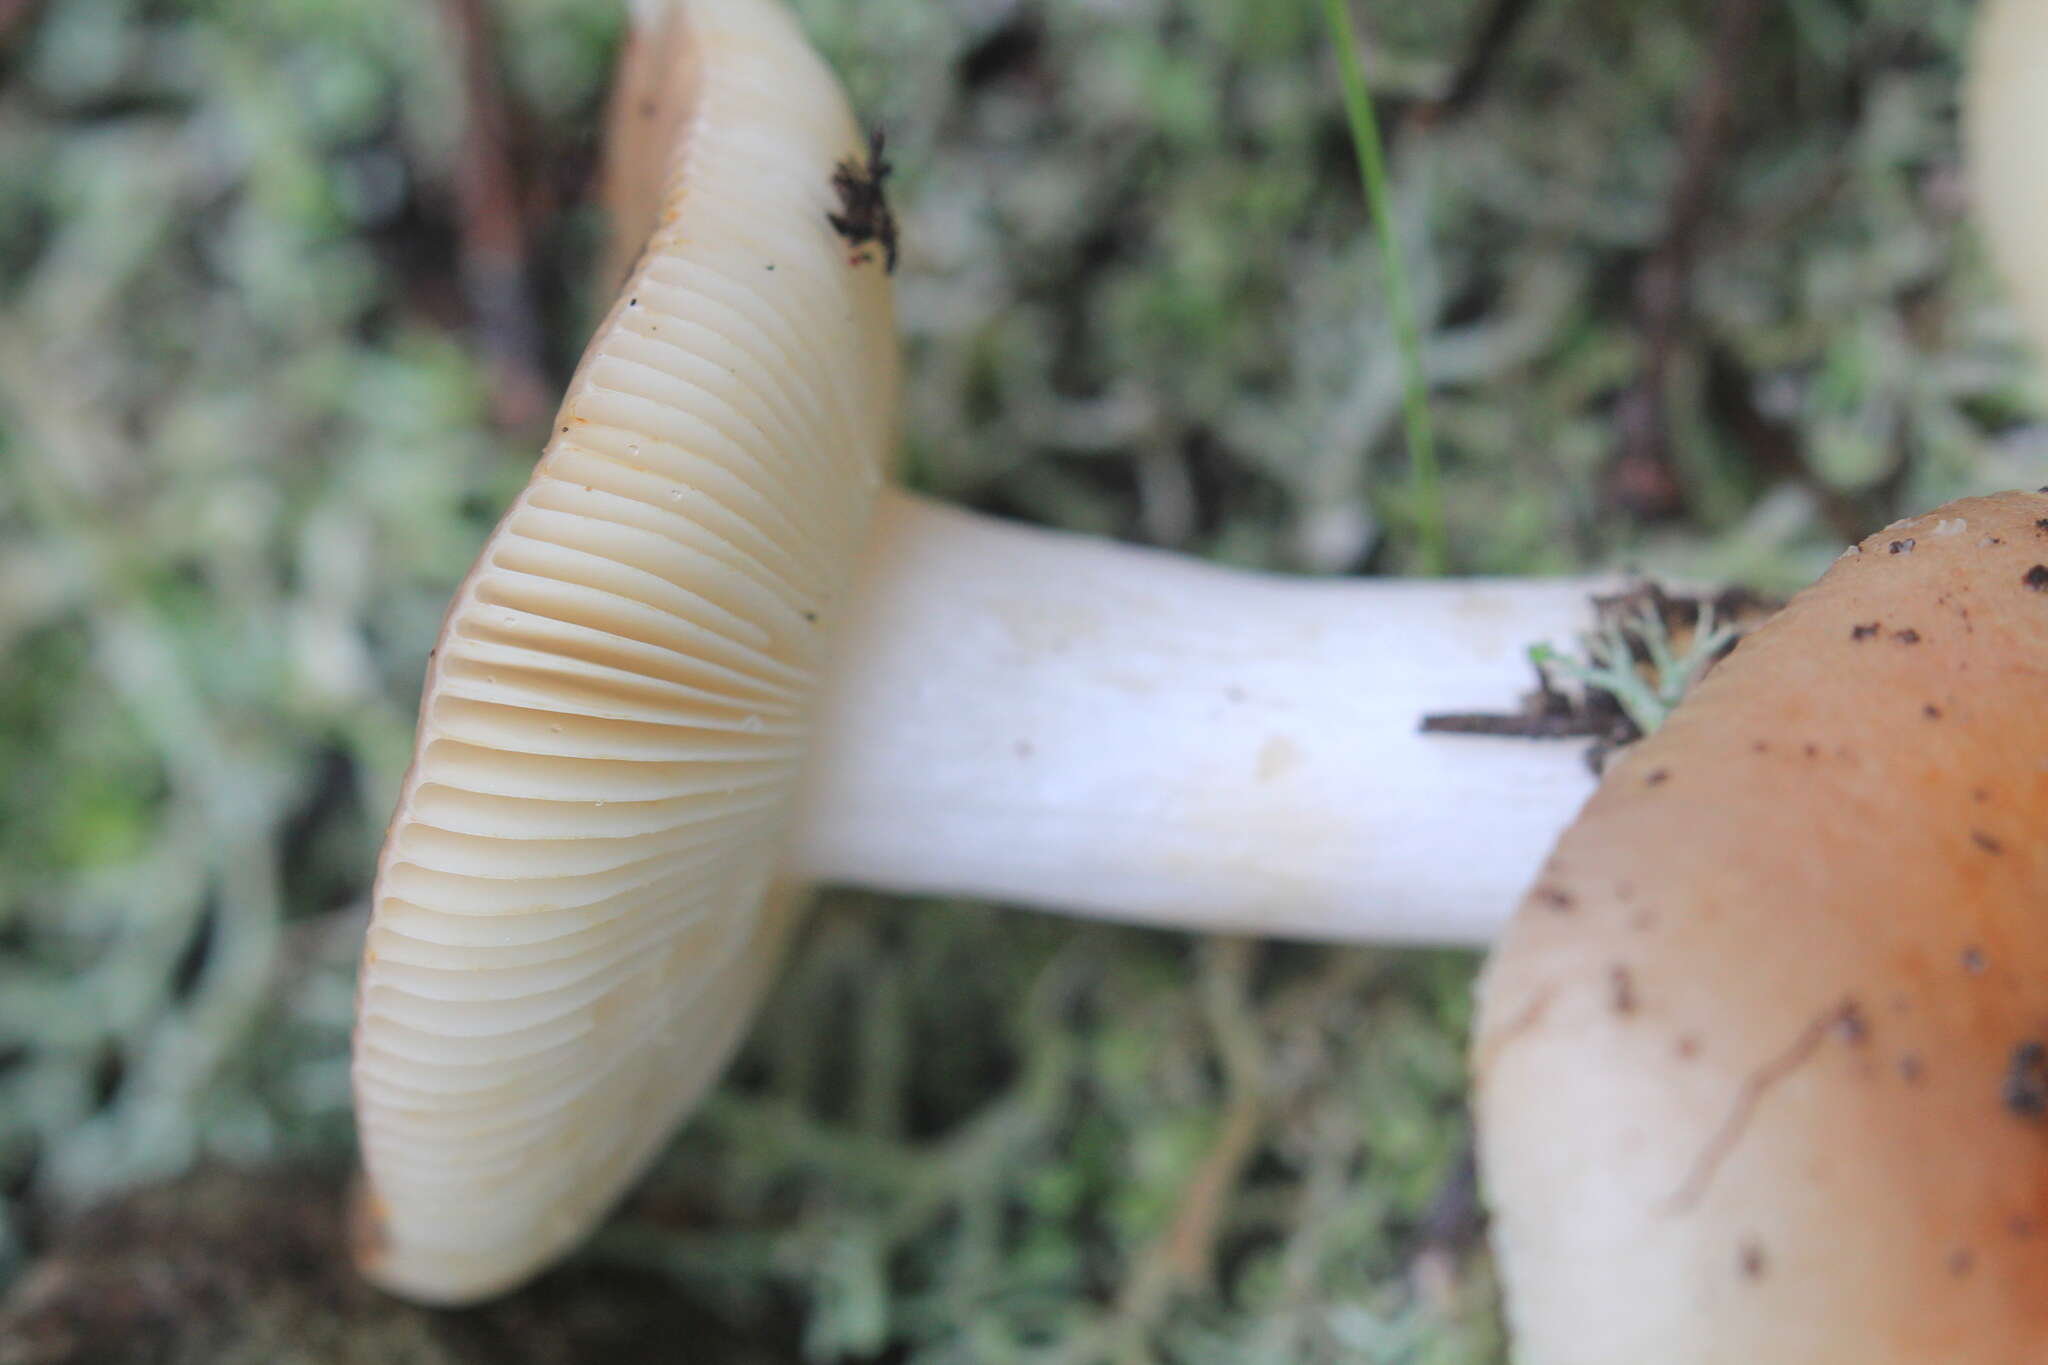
x: 2005, y: 106
x: 580, y: 893
x: 706, y: 659
x: 1761, y: 1065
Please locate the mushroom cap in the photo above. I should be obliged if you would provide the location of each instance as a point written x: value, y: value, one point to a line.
x: 1759, y: 1068
x: 2005, y: 108
x: 577, y: 904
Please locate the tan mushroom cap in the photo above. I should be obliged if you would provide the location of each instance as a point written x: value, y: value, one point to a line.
x: 2005, y: 126
x: 577, y: 904
x: 1760, y: 1065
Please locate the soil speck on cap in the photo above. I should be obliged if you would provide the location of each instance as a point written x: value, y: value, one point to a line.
x: 1911, y: 1069
x: 1931, y: 711
x: 2025, y: 1087
x: 1908, y: 636
x: 1866, y: 631
x: 1753, y: 1261
x: 1622, y: 989
x: 1554, y: 898
x: 1973, y: 960
x: 1851, y: 1024
x: 1989, y: 843
x: 1657, y: 778
x: 1961, y: 1261
x: 2037, y: 578
x: 1902, y: 547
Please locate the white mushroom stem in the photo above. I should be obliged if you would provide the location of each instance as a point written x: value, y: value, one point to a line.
x: 1116, y: 732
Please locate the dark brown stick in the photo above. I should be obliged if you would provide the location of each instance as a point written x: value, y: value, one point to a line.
x: 494, y: 265
x: 1642, y: 479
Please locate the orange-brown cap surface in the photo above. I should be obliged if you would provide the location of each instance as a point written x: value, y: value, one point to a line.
x: 1762, y: 1064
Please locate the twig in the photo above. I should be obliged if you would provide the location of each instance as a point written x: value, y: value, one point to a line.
x: 15, y: 14
x: 494, y: 264
x: 1179, y: 1257
x: 1504, y: 18
x: 1642, y: 479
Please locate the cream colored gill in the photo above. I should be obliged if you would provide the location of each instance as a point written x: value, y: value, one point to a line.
x: 576, y: 906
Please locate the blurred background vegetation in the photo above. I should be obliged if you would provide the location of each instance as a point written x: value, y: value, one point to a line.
x: 286, y: 288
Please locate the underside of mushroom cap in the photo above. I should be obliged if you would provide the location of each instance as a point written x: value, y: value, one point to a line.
x: 577, y: 903
x: 1760, y: 1069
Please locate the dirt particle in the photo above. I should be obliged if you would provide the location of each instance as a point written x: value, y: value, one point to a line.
x: 2019, y: 1225
x: 1760, y: 747
x: 1961, y: 1262
x: 1752, y: 1260
x: 1902, y: 547
x: 1688, y: 1047
x: 1554, y: 899
x: 2037, y: 578
x: 1850, y: 1025
x: 1868, y: 630
x: 1657, y: 778
x: 1989, y: 843
x: 2042, y: 524
x: 1981, y: 795
x: 1621, y: 990
x: 1908, y: 636
x: 1525, y: 1020
x: 1813, y: 751
x: 1973, y: 960
x: 2024, y: 1089
x: 1931, y: 711
x: 1912, y: 1069
x: 864, y: 214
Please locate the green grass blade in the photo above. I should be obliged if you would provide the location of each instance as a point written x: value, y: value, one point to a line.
x: 1425, y: 489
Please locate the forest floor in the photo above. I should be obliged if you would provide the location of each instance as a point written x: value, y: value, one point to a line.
x: 286, y: 290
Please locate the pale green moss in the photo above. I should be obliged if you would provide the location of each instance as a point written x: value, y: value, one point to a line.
x: 245, y: 452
